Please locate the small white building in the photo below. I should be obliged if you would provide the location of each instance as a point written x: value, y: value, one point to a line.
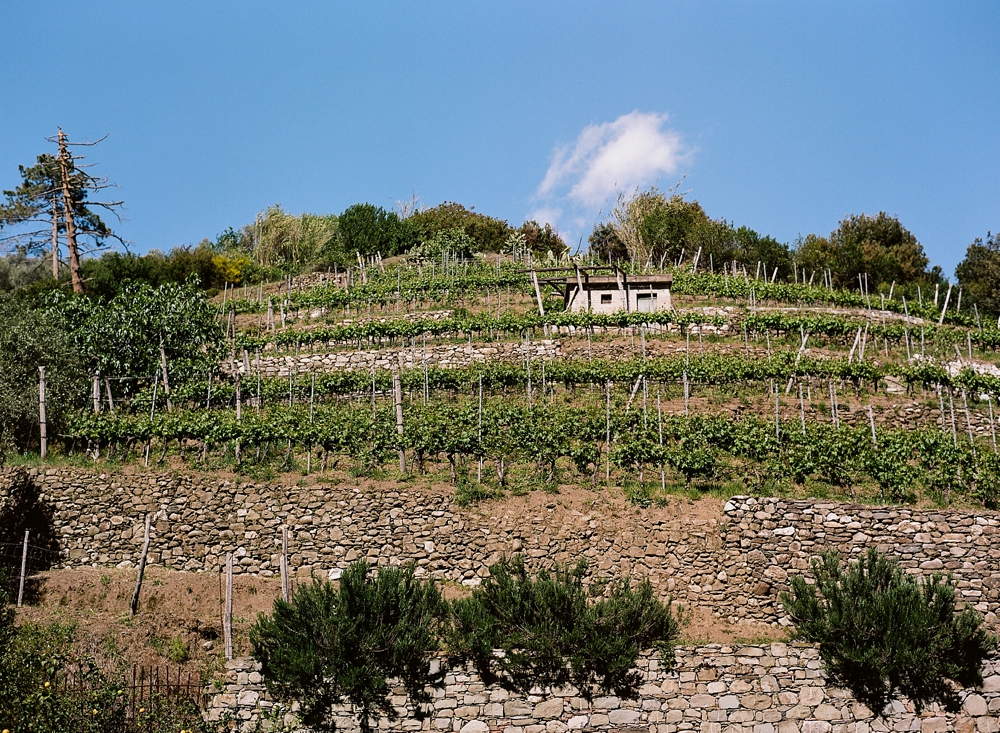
x: 619, y: 292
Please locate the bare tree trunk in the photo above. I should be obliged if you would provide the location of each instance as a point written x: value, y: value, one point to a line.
x: 55, y: 235
x: 74, y: 254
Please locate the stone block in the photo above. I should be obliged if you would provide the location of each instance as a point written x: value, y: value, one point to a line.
x: 623, y: 717
x: 937, y: 724
x: 728, y: 702
x: 517, y: 709
x: 702, y: 701
x: 975, y: 705
x: 577, y: 722
x: 826, y: 712
x: 816, y: 726
x: 548, y: 709
x: 811, y: 695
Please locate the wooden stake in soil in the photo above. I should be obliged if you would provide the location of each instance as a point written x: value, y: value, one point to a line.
x: 96, y: 392
x: 166, y: 382
x: 227, y: 612
x: 607, y: 431
x: 24, y: 567
x: 397, y: 395
x: 43, y: 430
x: 284, y: 564
x: 993, y: 431
x: 871, y: 421
x: 134, y: 606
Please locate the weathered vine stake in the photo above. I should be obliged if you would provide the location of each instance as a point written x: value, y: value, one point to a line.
x: 134, y: 606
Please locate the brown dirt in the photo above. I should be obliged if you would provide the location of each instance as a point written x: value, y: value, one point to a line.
x: 174, y: 606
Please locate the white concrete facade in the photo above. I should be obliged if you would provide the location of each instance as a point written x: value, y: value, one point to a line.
x: 614, y: 293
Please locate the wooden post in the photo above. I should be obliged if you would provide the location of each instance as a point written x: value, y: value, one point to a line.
x: 397, y: 396
x: 227, y: 612
x: 96, y: 391
x: 968, y: 422
x: 802, y: 409
x: 239, y: 413
x: 944, y: 310
x: 993, y: 430
x: 871, y: 421
x: 24, y: 567
x: 538, y: 292
x: 134, y: 606
x: 166, y: 382
x: 111, y: 400
x: 43, y: 429
x: 607, y: 430
x: 284, y: 564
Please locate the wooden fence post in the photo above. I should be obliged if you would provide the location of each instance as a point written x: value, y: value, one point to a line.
x: 166, y: 382
x: 397, y: 394
x: 96, y: 391
x: 134, y: 606
x: 24, y: 567
x: 284, y: 564
x: 42, y: 422
x: 227, y: 613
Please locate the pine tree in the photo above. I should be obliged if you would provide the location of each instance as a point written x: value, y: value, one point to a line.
x: 53, y: 201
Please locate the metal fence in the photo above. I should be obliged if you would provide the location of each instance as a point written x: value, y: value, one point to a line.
x: 19, y: 560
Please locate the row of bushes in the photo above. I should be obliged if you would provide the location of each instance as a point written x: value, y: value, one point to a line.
x: 881, y: 632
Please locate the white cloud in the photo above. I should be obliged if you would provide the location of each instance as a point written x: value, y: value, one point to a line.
x: 634, y: 150
x: 546, y: 215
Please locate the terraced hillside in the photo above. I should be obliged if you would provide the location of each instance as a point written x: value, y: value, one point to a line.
x: 461, y: 369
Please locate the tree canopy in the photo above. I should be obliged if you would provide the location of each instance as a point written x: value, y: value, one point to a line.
x: 979, y: 273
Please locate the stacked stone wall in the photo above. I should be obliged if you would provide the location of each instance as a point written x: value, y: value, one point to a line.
x: 775, y: 688
x: 734, y: 563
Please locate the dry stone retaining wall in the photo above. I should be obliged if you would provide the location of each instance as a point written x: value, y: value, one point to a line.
x: 775, y: 688
x: 734, y: 564
x: 453, y: 355
x: 777, y: 537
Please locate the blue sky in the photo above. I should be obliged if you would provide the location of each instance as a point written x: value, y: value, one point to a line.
x: 783, y: 116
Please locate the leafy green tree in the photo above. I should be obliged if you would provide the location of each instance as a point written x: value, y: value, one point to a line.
x: 277, y: 238
x: 330, y: 645
x: 122, y: 337
x: 604, y: 243
x: 752, y: 248
x: 979, y: 273
x: 368, y: 229
x: 542, y: 239
x: 488, y: 233
x: 882, y: 633
x: 667, y: 225
x: 879, y: 246
x: 551, y: 634
x: 32, y: 338
x: 453, y: 241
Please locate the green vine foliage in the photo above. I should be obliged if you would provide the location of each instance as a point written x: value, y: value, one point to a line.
x: 328, y: 645
x: 551, y: 634
x: 122, y: 337
x: 883, y: 633
x: 902, y: 462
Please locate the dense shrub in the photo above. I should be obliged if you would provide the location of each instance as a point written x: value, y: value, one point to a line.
x: 34, y: 660
x: 883, y: 633
x: 31, y: 338
x: 367, y: 229
x: 550, y: 633
x: 332, y: 645
x: 487, y: 232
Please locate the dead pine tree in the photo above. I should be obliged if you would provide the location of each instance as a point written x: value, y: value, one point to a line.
x: 58, y: 190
